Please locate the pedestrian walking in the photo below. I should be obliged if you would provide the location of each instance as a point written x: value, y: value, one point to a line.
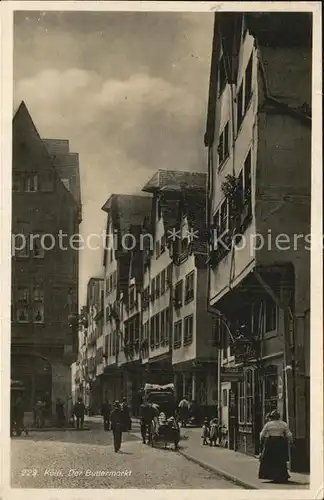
x: 105, y: 412
x: 127, y: 422
x: 40, y: 409
x: 275, y: 439
x: 117, y: 425
x: 60, y: 416
x: 18, y: 416
x: 184, y: 407
x: 79, y: 411
x: 70, y: 415
x: 147, y: 414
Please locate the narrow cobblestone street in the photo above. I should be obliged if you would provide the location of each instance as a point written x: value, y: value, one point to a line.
x: 75, y: 460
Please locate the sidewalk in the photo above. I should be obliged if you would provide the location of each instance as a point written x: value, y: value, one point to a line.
x: 237, y: 467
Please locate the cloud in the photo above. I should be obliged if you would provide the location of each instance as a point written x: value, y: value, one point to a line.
x: 129, y: 92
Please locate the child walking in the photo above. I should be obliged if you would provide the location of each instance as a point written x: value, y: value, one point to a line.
x: 205, y: 431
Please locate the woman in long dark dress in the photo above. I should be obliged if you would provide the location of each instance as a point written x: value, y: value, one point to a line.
x: 275, y: 439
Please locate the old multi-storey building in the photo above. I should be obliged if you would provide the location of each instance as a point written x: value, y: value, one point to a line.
x: 94, y: 343
x: 156, y: 245
x: 125, y: 216
x: 174, y: 306
x: 259, y: 149
x: 44, y: 269
x: 81, y: 378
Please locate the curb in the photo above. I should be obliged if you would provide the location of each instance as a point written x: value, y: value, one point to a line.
x: 226, y: 475
x: 55, y: 429
x: 219, y: 472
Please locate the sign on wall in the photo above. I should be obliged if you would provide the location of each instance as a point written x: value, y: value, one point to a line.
x: 231, y: 374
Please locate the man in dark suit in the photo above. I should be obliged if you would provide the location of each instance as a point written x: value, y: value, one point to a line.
x: 105, y: 412
x: 116, y: 419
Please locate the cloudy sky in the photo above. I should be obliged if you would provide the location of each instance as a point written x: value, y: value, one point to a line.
x: 129, y: 90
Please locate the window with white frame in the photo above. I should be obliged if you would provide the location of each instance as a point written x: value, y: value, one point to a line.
x: 163, y: 243
x: 225, y: 398
x: 152, y: 333
x: 189, y: 286
x: 163, y: 282
x: 177, y: 334
x: 167, y: 326
x: 169, y: 276
x: 178, y: 292
x: 248, y: 83
x: 246, y: 397
x: 247, y: 181
x: 224, y: 217
x: 223, y: 145
x: 153, y: 290
x: 188, y: 330
x: 23, y: 305
x: 241, y: 402
x: 38, y: 305
x: 163, y: 332
x: 31, y: 183
x: 225, y: 340
x: 157, y: 286
x: 271, y: 315
x: 157, y: 330
x: 114, y: 279
x: 249, y: 396
x: 157, y: 249
x: 239, y: 106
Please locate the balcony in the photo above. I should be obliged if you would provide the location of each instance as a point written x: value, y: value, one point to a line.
x: 159, y: 348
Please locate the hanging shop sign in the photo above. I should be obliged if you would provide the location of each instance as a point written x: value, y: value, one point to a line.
x: 231, y: 374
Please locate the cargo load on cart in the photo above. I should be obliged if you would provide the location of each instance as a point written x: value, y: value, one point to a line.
x: 161, y: 396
